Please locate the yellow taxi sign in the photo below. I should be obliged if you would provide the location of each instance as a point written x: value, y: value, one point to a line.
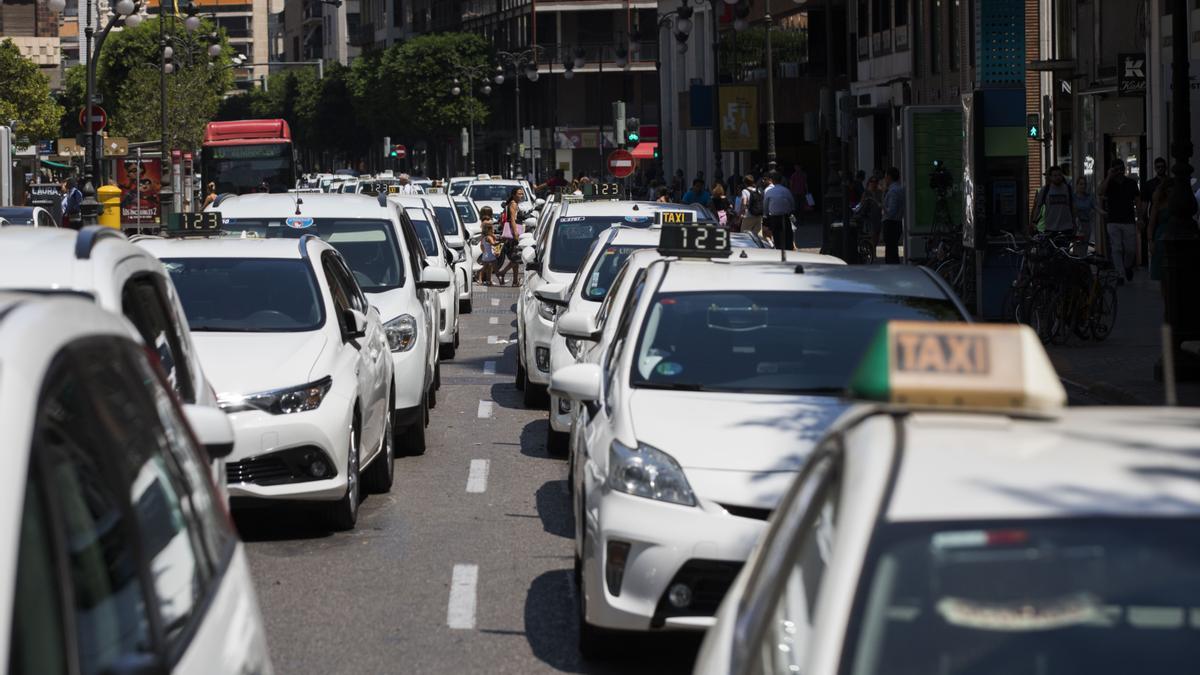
x: 959, y: 365
x: 665, y: 217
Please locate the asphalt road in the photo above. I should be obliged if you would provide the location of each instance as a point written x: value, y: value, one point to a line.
x: 379, y: 599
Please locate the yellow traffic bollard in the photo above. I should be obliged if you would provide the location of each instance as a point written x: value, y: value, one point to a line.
x: 110, y: 198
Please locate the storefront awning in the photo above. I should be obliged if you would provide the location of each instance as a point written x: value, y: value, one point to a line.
x: 56, y: 164
x: 644, y: 150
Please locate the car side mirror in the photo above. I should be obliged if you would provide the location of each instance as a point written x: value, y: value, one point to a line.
x: 212, y: 431
x: 554, y: 294
x: 578, y: 325
x: 449, y: 257
x: 434, y: 279
x: 528, y: 255
x: 525, y: 240
x: 539, y: 203
x: 356, y: 323
x: 578, y: 382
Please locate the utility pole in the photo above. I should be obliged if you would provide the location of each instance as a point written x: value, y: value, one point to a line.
x: 771, y: 157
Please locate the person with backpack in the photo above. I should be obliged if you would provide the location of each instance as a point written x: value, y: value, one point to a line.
x: 750, y: 207
x: 1055, y: 205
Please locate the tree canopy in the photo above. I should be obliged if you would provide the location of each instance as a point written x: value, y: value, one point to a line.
x: 25, y: 97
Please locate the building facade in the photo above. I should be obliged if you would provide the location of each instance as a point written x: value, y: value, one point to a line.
x: 34, y: 30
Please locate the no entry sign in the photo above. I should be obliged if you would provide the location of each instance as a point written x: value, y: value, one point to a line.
x: 620, y: 164
x: 99, y: 118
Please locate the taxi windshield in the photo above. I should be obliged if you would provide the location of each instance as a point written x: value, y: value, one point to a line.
x: 1092, y: 596
x: 247, y: 295
x: 466, y: 211
x: 490, y: 193
x: 779, y: 342
x: 425, y: 233
x: 369, y: 246
x: 573, y: 236
x: 605, y: 269
x: 447, y: 223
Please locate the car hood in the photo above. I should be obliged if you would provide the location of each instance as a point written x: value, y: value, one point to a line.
x: 755, y: 433
x: 394, y: 302
x: 247, y: 363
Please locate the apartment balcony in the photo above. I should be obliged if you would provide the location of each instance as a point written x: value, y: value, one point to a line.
x: 313, y: 12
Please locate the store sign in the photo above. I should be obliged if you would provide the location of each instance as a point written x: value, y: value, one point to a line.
x: 1131, y: 74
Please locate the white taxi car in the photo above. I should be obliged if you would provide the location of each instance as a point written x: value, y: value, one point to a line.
x: 117, y: 555
x: 552, y: 261
x: 967, y: 522
x: 470, y: 218
x: 720, y: 377
x: 299, y: 359
x: 611, y: 267
x: 438, y: 255
x: 494, y: 192
x: 454, y: 231
x: 99, y: 263
x: 381, y: 247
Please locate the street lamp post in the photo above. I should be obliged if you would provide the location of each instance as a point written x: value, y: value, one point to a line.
x: 520, y: 61
x: 472, y: 76
x: 90, y: 207
x: 771, y: 156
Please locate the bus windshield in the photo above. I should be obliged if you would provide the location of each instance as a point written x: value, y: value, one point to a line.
x: 240, y: 169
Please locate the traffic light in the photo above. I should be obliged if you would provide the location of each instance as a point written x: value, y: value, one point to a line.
x: 1033, y: 126
x: 395, y: 152
x: 657, y: 152
x: 633, y: 133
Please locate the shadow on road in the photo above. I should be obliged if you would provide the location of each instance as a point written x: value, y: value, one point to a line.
x: 554, y: 508
x: 552, y: 629
x: 533, y: 439
x: 280, y: 523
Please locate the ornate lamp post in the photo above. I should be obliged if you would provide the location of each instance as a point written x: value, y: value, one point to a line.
x: 521, y: 62
x: 472, y: 76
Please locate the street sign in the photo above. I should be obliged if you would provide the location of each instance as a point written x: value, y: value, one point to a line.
x: 99, y: 118
x: 1131, y: 74
x: 116, y: 147
x: 620, y: 163
x: 45, y: 147
x: 401, y: 152
x: 68, y: 147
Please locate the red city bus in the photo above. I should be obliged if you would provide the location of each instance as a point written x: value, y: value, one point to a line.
x: 249, y: 156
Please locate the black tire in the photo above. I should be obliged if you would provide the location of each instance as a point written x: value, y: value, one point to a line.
x: 866, y: 252
x: 437, y: 375
x: 522, y: 382
x: 535, y: 396
x: 466, y: 306
x: 1104, y: 312
x: 557, y: 442
x: 382, y: 472
x: 412, y: 440
x: 431, y: 398
x: 448, y: 351
x: 343, y: 514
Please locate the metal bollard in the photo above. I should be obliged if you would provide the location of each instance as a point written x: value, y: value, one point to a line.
x: 109, y: 197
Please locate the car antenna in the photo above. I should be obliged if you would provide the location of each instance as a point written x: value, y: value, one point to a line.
x: 799, y: 269
x: 299, y: 201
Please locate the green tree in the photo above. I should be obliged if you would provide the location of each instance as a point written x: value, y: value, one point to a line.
x: 417, y: 77
x: 128, y: 79
x: 72, y: 97
x: 25, y: 97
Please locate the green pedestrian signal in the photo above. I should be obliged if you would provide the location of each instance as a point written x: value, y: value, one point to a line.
x: 1033, y: 126
x: 394, y: 153
x: 632, y: 136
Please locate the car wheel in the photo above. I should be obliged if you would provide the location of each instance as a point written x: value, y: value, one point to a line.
x: 457, y: 334
x: 343, y: 514
x: 437, y: 375
x: 432, y: 396
x: 535, y: 396
x: 449, y: 349
x: 521, y: 382
x: 412, y: 439
x: 382, y: 472
x: 556, y: 442
x: 465, y: 306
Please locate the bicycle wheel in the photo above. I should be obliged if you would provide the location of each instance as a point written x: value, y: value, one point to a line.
x: 1043, y: 308
x: 948, y: 270
x: 866, y: 251
x: 1104, y: 312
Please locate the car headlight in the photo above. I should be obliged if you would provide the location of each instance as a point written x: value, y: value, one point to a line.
x: 546, y: 310
x: 648, y: 472
x: 279, y: 401
x: 401, y: 333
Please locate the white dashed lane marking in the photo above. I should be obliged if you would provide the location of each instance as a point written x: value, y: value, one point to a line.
x: 477, y: 476
x: 485, y: 409
x: 489, y: 367
x: 461, y: 612
x: 495, y: 320
x: 495, y: 302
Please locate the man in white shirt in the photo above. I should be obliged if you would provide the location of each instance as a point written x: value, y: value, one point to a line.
x: 778, y: 205
x: 406, y: 187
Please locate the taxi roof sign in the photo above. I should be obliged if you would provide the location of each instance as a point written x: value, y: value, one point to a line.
x: 959, y: 365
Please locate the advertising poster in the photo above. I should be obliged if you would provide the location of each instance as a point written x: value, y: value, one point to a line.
x: 935, y: 138
x: 739, y: 118
x: 140, y: 181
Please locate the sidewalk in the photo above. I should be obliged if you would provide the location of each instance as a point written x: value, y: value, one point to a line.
x: 1120, y: 370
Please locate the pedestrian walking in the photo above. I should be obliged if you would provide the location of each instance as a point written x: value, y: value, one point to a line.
x: 721, y: 206
x: 801, y: 194
x: 210, y: 195
x: 1054, y: 207
x: 697, y: 195
x: 489, y: 246
x: 72, y: 204
x: 779, y: 205
x: 1085, y: 211
x: 1120, y: 195
x: 750, y: 207
x: 869, y: 212
x: 664, y: 196
x: 1145, y: 203
x: 893, y: 215
x: 1158, y: 224
x: 510, y: 224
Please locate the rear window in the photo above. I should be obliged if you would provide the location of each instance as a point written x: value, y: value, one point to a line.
x: 573, y: 236
x: 446, y: 220
x: 604, y: 271
x: 466, y: 211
